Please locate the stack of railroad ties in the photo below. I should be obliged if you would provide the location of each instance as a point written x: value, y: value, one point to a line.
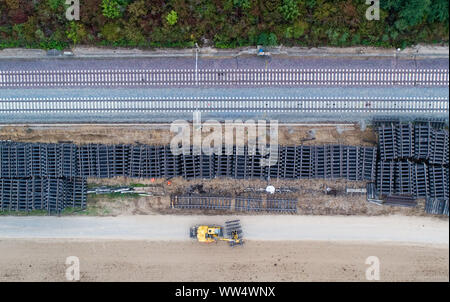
x: 241, y: 203
x: 37, y: 176
x: 414, y: 163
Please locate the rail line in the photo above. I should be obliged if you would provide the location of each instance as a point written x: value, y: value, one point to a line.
x: 228, y: 104
x: 224, y: 77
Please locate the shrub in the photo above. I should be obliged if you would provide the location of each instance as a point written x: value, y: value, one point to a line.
x: 267, y: 39
x: 137, y: 9
x: 76, y: 32
x: 111, y: 32
x: 12, y: 4
x: 297, y: 30
x: 111, y: 9
x: 172, y: 17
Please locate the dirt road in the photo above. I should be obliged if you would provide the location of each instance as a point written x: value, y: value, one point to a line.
x: 278, y: 248
x: 260, y: 228
x: 44, y: 260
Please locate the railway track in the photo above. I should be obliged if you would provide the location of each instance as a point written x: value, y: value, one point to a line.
x: 10, y: 106
x: 224, y: 77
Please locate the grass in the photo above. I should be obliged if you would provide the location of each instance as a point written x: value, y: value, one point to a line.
x: 113, y: 196
x: 91, y: 210
x: 19, y: 213
x: 138, y: 185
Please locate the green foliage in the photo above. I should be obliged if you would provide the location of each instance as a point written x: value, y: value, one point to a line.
x: 244, y: 4
x: 76, y: 32
x: 439, y: 11
x: 297, y: 30
x: 137, y: 9
x: 311, y: 4
x: 172, y: 17
x: 133, y: 35
x: 223, y: 23
x: 415, y: 11
x: 222, y: 41
x: 55, y: 4
x: 289, y: 10
x: 111, y: 9
x: 112, y: 32
x: 267, y: 39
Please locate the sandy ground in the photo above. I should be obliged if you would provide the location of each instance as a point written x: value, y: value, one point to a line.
x: 44, y: 260
x: 277, y: 248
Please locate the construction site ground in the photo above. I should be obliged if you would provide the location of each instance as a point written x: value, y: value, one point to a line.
x: 158, y: 134
x: 311, y: 196
x: 119, y: 260
x: 310, y: 193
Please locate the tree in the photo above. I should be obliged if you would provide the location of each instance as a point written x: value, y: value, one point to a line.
x: 289, y: 10
x: 409, y: 12
x: 439, y: 11
x: 244, y: 4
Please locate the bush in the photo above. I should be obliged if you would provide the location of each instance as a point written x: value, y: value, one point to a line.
x: 112, y: 32
x: 267, y: 39
x: 111, y: 9
x: 297, y: 30
x: 76, y: 32
x: 137, y: 9
x: 172, y: 17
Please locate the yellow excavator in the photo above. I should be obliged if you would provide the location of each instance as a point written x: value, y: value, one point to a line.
x: 214, y: 233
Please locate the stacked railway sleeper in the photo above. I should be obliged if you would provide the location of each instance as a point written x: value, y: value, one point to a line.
x: 413, y: 160
x: 144, y: 161
x: 240, y: 203
x: 40, y: 177
x: 52, y: 195
x: 66, y: 163
x: 233, y: 229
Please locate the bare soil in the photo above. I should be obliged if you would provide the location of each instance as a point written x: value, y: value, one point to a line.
x: 44, y: 260
x: 161, y: 135
x: 311, y: 196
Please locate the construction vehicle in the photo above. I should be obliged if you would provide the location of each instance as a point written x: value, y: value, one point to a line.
x: 215, y: 233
